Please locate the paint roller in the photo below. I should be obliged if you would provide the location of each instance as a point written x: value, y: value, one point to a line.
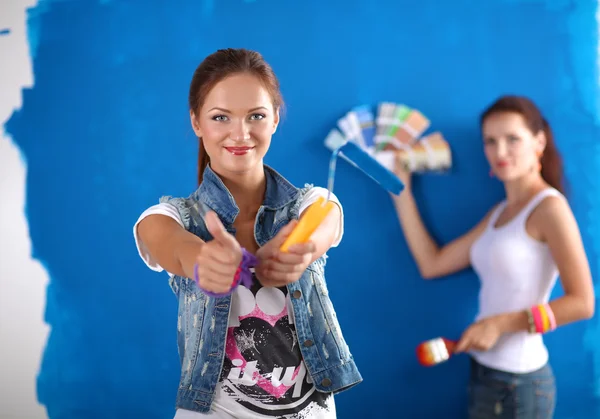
x: 360, y: 159
x: 366, y: 163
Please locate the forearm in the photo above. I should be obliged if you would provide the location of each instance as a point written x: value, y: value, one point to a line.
x: 566, y: 309
x: 169, y: 244
x: 422, y: 247
x: 513, y: 322
x: 185, y: 253
x: 571, y: 308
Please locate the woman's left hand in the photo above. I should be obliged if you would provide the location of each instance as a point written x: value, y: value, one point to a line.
x: 480, y: 336
x: 276, y: 268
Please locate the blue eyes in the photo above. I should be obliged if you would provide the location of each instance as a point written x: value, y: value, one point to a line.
x: 253, y: 117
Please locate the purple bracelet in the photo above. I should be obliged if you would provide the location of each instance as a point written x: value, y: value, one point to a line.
x: 243, y: 275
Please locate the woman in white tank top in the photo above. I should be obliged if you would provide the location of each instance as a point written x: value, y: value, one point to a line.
x: 518, y: 250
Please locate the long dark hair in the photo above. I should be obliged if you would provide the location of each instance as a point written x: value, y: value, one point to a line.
x: 216, y: 67
x: 551, y: 162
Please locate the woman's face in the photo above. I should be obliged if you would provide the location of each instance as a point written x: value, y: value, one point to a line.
x: 235, y: 123
x: 511, y: 149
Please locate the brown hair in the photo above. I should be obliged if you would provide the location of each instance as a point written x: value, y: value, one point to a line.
x: 220, y: 65
x: 550, y: 160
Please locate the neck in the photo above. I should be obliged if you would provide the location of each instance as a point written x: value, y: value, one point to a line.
x: 248, y: 190
x: 520, y: 190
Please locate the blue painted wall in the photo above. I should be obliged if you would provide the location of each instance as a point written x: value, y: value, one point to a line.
x: 105, y: 133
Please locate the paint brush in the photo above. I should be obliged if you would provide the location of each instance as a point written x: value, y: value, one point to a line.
x: 316, y: 213
x: 366, y: 162
x: 308, y: 223
x: 435, y: 351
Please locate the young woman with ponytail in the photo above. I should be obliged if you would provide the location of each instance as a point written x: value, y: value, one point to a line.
x: 518, y: 250
x: 271, y: 347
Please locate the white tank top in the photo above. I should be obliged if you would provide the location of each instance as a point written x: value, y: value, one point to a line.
x: 516, y: 272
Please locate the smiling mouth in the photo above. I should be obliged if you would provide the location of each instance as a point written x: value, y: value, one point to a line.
x: 238, y: 151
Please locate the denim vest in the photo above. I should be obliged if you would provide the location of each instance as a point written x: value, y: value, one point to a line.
x: 202, y: 320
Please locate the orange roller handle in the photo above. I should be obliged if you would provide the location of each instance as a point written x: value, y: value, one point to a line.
x: 309, y: 222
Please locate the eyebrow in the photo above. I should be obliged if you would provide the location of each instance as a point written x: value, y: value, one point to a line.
x: 228, y: 111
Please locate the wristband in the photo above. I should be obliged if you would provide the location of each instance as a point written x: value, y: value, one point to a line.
x: 531, y: 321
x: 551, y: 317
x: 537, y: 317
x: 242, y: 275
x: 543, y: 319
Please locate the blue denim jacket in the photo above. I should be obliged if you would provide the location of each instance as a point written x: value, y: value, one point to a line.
x: 202, y: 321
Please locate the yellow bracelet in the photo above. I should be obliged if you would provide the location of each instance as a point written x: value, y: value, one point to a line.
x: 544, y: 315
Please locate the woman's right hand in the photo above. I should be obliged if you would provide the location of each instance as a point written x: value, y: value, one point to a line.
x: 219, y: 258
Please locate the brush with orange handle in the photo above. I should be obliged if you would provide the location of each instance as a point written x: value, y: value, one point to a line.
x: 308, y: 223
x: 435, y: 351
x: 316, y: 213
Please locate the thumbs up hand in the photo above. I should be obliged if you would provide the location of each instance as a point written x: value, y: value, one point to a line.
x: 219, y: 258
x: 276, y: 268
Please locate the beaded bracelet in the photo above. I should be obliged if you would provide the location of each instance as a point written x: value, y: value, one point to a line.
x: 531, y: 322
x: 242, y: 275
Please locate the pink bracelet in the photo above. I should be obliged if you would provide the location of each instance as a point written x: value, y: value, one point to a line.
x: 551, y: 317
x: 537, y: 318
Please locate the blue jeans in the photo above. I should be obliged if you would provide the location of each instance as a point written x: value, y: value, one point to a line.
x: 503, y: 395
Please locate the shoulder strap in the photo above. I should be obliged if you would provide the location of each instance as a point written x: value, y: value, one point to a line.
x: 537, y: 199
x: 496, y: 213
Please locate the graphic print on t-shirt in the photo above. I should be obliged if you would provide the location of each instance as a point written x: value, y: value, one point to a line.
x: 263, y: 370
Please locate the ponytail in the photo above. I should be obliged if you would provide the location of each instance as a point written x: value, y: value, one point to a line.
x: 551, y: 161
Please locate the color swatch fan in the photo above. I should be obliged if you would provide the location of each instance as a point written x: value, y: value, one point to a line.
x: 395, y: 135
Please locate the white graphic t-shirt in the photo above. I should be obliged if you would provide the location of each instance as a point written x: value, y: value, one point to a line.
x: 263, y: 373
